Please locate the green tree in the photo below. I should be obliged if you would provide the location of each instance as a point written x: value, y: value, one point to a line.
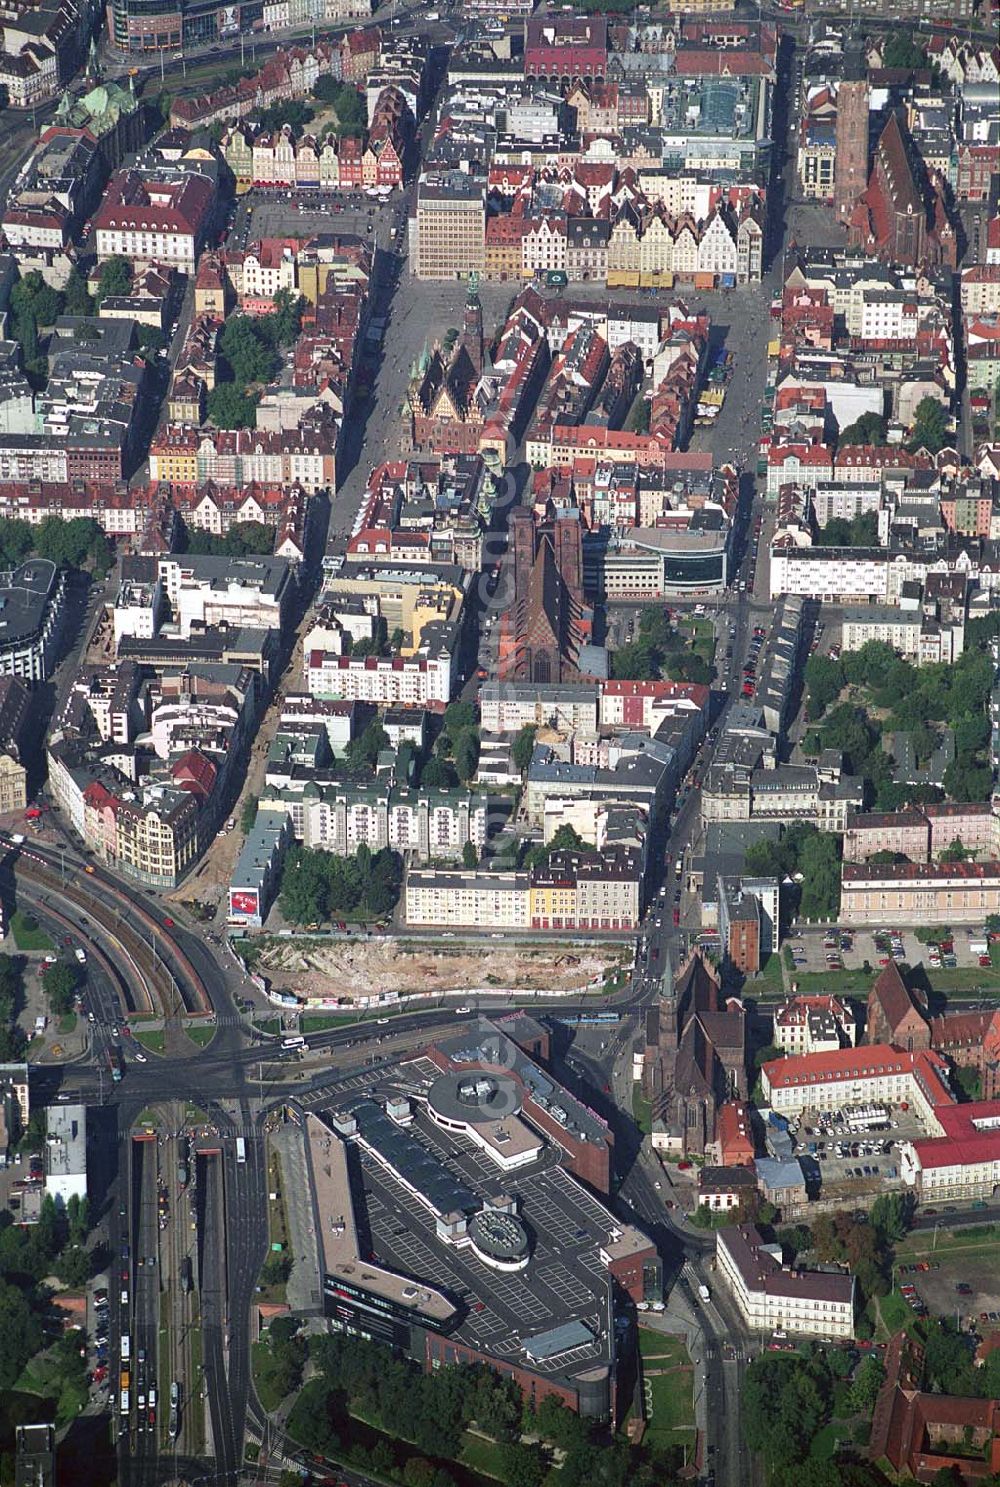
x: 523, y: 1466
x: 362, y: 752
x: 524, y: 747
x: 276, y: 1269
x: 467, y: 755
x: 824, y: 681
x: 868, y: 429
x: 930, y: 426
x: 688, y: 666
x: 860, y: 531
x: 61, y: 981
x: 965, y: 779
x: 115, y: 279
x: 346, y: 101
x: 954, y: 852
x: 305, y: 893
x: 231, y: 408
x: 31, y: 294
x: 639, y: 661
x: 470, y: 857
x: 638, y: 416
x: 418, y: 1472
x: 867, y: 1382
x: 74, y: 1266
x: 281, y: 327
x: 248, y: 814
x: 250, y: 356
x: 20, y: 1334
x: 288, y: 112
x: 73, y: 543
x: 77, y: 1218
x: 36, y: 366
x: 78, y: 300
x: 438, y: 772
x: 948, y: 1359
x: 902, y: 50
x: 819, y: 863
x: 17, y: 539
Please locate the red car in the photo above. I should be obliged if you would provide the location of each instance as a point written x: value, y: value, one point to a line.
x: 168, y: 924
x: 684, y: 1166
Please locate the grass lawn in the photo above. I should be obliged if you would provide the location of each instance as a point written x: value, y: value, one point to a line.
x: 319, y: 1022
x: 147, y: 1117
x: 855, y: 983
x: 825, y: 1444
x: 268, y: 1025
x: 642, y: 1110
x: 482, y: 1456
x: 769, y: 984
x: 155, y: 1039
x: 896, y: 1315
x: 964, y: 978
x: 660, y: 1349
x: 194, y: 1115
x: 978, y: 1239
x: 201, y: 1036
x: 277, y: 1228
x: 27, y: 938
x: 269, y: 1397
x: 671, y: 1418
x: 67, y: 1023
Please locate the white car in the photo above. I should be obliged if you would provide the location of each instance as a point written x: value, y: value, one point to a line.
x: 140, y: 1058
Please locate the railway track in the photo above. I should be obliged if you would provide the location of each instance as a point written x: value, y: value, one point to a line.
x: 163, y: 972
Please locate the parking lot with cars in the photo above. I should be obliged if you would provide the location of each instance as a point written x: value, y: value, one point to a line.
x: 965, y: 1285
x: 836, y: 948
x: 854, y: 1145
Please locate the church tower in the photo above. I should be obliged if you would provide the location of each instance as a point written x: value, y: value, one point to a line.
x: 472, y: 325
x: 851, y: 177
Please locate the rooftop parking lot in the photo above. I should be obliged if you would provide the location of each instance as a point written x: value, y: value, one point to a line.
x: 565, y: 1278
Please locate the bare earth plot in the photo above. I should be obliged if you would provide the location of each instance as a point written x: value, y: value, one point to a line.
x: 346, y: 968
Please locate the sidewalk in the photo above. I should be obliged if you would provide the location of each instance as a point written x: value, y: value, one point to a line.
x: 678, y: 1320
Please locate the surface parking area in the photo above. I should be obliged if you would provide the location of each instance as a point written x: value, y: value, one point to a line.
x: 837, y: 949
x: 958, y: 1281
x: 849, y: 1154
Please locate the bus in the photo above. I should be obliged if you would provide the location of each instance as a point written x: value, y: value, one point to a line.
x: 115, y: 1064
x: 126, y: 1347
x: 295, y: 1042
x: 123, y: 1406
x: 241, y: 1150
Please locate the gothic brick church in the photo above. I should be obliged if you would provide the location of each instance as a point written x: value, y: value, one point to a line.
x: 695, y: 1056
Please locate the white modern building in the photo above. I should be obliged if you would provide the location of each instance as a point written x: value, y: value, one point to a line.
x: 65, y: 1153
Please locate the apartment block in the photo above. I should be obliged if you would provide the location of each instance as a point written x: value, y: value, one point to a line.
x: 814, y: 1024
x: 774, y: 1297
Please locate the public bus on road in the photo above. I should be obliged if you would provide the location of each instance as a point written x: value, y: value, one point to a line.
x: 241, y: 1150
x: 295, y: 1042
